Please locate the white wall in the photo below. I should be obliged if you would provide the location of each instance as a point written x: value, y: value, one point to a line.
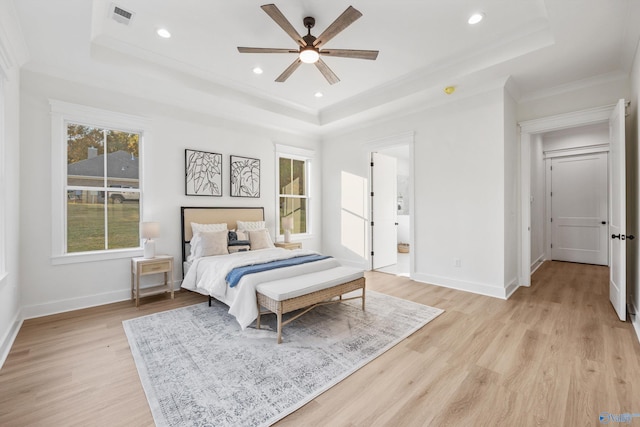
x: 12, y: 54
x: 459, y: 200
x: 51, y: 288
x: 583, y: 136
x: 574, y: 97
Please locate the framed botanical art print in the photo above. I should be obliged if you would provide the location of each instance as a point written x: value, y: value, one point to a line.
x: 203, y: 172
x: 245, y: 177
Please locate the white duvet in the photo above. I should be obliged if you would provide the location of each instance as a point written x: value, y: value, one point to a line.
x: 207, y: 276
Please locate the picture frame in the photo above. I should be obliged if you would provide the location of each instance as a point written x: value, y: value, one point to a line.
x: 203, y: 173
x: 245, y: 176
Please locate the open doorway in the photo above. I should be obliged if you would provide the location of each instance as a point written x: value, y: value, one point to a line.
x: 614, y: 116
x: 390, y: 210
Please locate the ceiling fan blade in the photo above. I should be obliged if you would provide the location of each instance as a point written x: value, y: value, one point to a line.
x: 283, y: 22
x: 264, y: 50
x: 343, y: 21
x: 290, y: 69
x: 351, y: 53
x: 326, y: 72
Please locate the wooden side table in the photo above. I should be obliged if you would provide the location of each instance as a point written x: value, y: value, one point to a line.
x: 144, y: 266
x: 290, y: 245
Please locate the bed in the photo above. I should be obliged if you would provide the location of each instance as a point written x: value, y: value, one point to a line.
x: 248, y: 281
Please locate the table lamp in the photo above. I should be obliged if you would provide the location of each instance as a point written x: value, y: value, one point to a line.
x: 287, y: 226
x: 149, y: 231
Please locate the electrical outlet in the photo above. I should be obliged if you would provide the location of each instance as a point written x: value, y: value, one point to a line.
x: 457, y: 262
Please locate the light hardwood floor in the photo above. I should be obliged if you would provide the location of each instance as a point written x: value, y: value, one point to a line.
x: 553, y: 354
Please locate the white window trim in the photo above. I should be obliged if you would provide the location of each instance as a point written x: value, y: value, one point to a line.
x: 62, y: 113
x: 308, y: 156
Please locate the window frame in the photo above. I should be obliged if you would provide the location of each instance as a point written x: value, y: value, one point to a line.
x: 63, y: 113
x: 302, y: 154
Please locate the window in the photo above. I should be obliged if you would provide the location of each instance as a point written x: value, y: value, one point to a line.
x: 101, y: 163
x: 293, y: 188
x: 97, y: 185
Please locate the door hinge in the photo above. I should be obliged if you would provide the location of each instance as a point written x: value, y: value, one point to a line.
x: 550, y: 167
x: 371, y: 164
x: 372, y: 223
x: 371, y: 253
x: 372, y: 194
x: 552, y: 246
x: 552, y: 194
x: 551, y: 219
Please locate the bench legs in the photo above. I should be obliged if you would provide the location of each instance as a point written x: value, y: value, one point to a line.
x: 307, y: 302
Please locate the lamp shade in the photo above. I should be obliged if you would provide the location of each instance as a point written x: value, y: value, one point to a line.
x: 149, y: 230
x: 287, y: 223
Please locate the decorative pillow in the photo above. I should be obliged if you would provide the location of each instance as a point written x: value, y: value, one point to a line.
x: 239, y: 248
x: 197, y: 228
x: 209, y: 243
x: 260, y: 239
x: 250, y: 225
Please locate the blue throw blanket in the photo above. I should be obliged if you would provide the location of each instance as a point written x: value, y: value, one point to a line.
x: 234, y: 276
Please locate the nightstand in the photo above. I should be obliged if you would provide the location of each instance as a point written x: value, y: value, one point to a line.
x: 290, y: 245
x: 144, y: 266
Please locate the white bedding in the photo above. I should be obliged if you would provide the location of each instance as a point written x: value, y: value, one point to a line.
x: 207, y: 276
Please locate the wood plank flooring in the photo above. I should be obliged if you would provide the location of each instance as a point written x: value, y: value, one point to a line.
x: 553, y: 354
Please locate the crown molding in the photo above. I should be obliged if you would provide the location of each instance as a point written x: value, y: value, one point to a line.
x: 13, y: 49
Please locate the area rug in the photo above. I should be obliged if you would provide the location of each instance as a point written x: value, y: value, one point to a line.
x: 198, y: 368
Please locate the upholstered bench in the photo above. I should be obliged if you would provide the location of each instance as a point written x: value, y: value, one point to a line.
x: 308, y: 291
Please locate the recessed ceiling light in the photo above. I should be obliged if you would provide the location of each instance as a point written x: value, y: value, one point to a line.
x: 475, y: 18
x: 164, y: 33
x: 257, y: 70
x: 318, y: 94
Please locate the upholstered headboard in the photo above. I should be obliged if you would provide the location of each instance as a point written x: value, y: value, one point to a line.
x: 214, y: 215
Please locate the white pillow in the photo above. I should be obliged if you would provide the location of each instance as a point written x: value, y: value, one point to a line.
x: 251, y: 225
x: 260, y: 239
x: 209, y: 243
x: 197, y: 228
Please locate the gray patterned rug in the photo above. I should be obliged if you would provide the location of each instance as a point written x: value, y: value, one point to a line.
x: 199, y: 369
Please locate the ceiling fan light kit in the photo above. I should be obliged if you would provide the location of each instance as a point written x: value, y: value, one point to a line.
x: 309, y: 51
x: 309, y: 55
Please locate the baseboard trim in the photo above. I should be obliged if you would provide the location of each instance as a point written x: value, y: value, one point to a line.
x: 62, y: 306
x: 461, y: 285
x: 10, y: 337
x: 537, y: 263
x: 511, y: 288
x: 635, y: 321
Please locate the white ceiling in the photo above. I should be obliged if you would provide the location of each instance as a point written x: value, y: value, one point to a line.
x: 424, y: 46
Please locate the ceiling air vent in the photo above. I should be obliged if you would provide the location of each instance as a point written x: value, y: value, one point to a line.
x: 120, y: 15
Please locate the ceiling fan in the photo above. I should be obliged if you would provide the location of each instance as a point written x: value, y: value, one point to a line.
x: 309, y: 46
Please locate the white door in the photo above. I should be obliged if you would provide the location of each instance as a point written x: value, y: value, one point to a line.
x: 618, y: 206
x: 579, y: 212
x: 384, y: 210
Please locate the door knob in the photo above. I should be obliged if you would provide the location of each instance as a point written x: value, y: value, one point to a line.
x: 631, y: 237
x: 604, y: 222
x: 615, y: 236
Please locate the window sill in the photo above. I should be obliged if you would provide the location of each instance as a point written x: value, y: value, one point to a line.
x: 95, y: 256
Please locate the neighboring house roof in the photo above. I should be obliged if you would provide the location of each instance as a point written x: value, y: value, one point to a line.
x: 120, y: 164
